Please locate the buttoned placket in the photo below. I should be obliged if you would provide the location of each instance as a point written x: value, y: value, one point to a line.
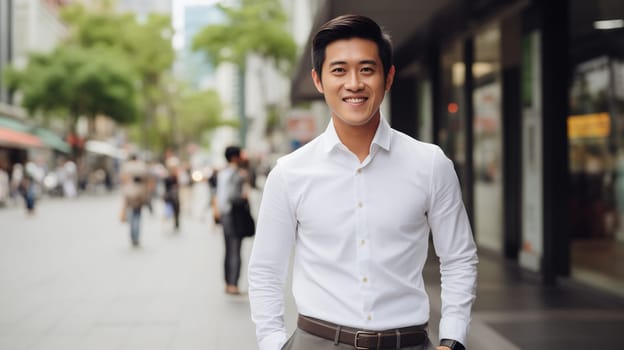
x: 362, y: 240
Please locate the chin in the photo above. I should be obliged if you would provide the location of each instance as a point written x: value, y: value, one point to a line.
x: 356, y: 121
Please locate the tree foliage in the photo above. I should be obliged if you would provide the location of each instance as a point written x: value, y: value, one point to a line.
x: 78, y: 82
x: 146, y: 43
x: 145, y: 46
x: 200, y: 111
x: 117, y: 65
x: 256, y: 27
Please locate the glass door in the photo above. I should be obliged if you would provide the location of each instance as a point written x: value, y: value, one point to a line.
x: 487, y: 139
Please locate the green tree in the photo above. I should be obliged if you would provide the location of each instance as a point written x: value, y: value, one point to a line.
x: 76, y: 82
x: 133, y: 55
x: 187, y: 116
x: 199, y: 112
x: 146, y: 45
x: 256, y: 27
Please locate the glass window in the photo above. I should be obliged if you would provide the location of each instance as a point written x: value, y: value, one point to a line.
x: 487, y: 140
x: 425, y: 113
x: 451, y: 130
x: 596, y: 168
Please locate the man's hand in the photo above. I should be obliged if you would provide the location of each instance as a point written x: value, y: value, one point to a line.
x: 442, y: 348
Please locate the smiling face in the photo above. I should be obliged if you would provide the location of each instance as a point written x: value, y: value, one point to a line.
x: 353, y: 82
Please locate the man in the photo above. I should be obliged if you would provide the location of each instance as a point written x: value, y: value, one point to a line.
x: 5, y: 191
x: 357, y: 204
x: 230, y: 184
x: 134, y: 189
x: 172, y: 191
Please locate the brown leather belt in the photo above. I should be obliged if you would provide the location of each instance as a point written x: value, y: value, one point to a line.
x: 364, y: 339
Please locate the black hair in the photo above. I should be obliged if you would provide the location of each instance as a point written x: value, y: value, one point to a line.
x: 347, y: 27
x: 231, y: 152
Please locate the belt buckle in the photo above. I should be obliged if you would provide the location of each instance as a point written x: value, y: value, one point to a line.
x: 357, y: 336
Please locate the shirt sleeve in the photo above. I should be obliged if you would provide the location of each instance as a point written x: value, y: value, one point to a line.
x: 268, y: 265
x: 455, y: 247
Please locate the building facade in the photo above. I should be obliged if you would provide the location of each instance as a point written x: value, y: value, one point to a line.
x: 26, y: 26
x: 6, y: 43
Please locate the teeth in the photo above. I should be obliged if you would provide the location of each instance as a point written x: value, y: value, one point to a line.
x: 355, y: 100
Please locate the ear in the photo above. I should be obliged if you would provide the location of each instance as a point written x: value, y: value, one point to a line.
x: 390, y: 77
x: 317, y: 81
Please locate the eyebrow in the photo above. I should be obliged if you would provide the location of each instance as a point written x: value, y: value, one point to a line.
x: 337, y: 63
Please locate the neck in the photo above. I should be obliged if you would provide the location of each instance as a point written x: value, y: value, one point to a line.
x: 357, y: 138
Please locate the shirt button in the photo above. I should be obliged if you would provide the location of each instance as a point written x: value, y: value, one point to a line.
x: 369, y: 317
x: 362, y: 242
x: 364, y: 279
x: 360, y: 204
x: 359, y: 171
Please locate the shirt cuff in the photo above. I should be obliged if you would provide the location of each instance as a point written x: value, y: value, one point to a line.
x: 273, y: 341
x: 453, y: 328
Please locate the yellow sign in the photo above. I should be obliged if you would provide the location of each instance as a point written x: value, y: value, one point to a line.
x: 589, y: 125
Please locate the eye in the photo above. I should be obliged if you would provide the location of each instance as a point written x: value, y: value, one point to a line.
x: 338, y: 70
x: 367, y: 70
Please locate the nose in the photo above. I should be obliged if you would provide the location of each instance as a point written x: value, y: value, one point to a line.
x: 353, y: 82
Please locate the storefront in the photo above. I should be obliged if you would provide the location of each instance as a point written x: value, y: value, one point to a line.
x: 27, y: 145
x: 596, y: 151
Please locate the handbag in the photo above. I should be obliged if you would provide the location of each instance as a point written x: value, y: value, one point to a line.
x: 243, y: 222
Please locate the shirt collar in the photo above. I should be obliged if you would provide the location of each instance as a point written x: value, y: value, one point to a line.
x: 330, y: 137
x: 382, y: 136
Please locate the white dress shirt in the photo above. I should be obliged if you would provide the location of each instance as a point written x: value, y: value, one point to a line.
x: 360, y: 234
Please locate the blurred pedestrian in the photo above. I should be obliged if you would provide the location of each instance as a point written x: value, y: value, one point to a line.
x: 27, y: 190
x: 212, y: 185
x: 134, y: 189
x: 5, y: 187
x: 152, y: 182
x: 230, y: 189
x: 70, y: 179
x: 172, y: 192
x: 61, y: 176
x: 185, y: 189
x: 17, y: 175
x: 358, y: 204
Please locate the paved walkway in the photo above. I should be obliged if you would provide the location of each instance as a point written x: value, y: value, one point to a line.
x: 514, y: 310
x: 70, y: 280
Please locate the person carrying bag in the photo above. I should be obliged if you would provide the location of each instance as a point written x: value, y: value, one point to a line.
x: 244, y: 224
x: 234, y: 214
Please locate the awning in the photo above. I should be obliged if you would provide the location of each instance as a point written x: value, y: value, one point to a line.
x: 52, y: 140
x: 13, y: 138
x: 8, y: 123
x: 45, y: 137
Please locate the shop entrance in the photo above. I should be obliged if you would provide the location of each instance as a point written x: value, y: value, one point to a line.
x: 596, y: 154
x: 487, y: 139
x: 596, y: 143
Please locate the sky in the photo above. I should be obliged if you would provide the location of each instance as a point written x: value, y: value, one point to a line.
x: 178, y: 18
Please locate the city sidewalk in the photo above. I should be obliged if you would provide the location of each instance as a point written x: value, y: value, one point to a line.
x: 514, y: 310
x: 70, y: 280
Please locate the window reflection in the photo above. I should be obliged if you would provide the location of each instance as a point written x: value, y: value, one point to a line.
x: 451, y: 130
x: 487, y: 140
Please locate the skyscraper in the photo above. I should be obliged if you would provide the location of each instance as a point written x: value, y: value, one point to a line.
x: 194, y: 67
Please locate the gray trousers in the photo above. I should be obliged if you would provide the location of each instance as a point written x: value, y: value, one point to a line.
x: 302, y: 340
